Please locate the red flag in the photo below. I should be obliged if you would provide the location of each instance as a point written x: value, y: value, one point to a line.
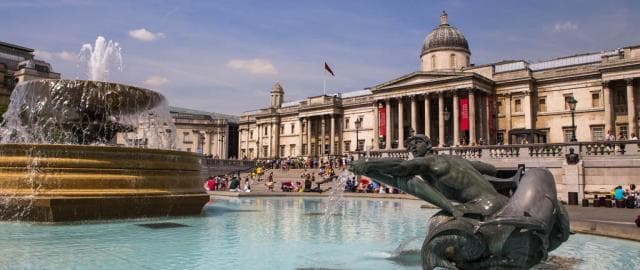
x: 326, y: 67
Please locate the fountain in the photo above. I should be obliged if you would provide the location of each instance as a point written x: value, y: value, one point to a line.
x: 79, y: 150
x: 485, y: 222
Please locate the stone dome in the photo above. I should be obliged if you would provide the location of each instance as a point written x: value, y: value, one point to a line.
x: 445, y: 37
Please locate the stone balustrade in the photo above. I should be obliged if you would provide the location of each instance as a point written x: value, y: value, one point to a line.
x: 625, y: 149
x: 214, y: 166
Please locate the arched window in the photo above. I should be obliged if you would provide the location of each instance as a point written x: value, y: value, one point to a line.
x: 452, y: 61
x: 433, y: 61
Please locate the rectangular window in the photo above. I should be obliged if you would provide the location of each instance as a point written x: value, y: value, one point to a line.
x: 304, y: 149
x: 265, y: 131
x: 292, y: 150
x: 265, y: 151
x: 517, y: 105
x: 566, y: 134
x: 251, y: 134
x: 597, y: 133
x: 500, y: 109
x: 347, y: 146
x: 281, y: 150
x: 346, y: 123
x: 293, y: 127
x: 282, y: 129
x: 542, y: 104
x: 186, y: 137
x: 595, y: 100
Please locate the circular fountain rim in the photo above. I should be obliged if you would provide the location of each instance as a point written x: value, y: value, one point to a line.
x: 96, y: 147
x: 94, y: 81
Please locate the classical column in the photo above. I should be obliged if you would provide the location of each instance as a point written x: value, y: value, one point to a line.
x: 507, y: 117
x: 528, y: 110
x: 490, y: 119
x: 388, y: 125
x: 225, y: 152
x: 427, y: 116
x: 414, y: 121
x: 456, y: 119
x: 258, y: 141
x: 276, y: 138
x: 441, y: 118
x: 300, y: 136
x: 309, y: 121
x: 323, y: 135
x: 246, y: 142
x: 631, y: 108
x: 472, y: 116
x: 482, y: 116
x: 608, y: 116
x: 376, y: 126
x: 340, y: 130
x: 400, y: 124
x: 332, y: 136
x: 207, y: 143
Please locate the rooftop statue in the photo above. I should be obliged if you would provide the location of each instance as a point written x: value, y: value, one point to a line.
x: 478, y: 227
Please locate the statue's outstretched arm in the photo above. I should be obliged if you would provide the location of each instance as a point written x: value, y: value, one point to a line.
x: 405, y: 175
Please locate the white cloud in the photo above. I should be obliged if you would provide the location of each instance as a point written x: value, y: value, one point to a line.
x: 566, y: 26
x: 156, y: 81
x: 49, y: 56
x: 145, y: 35
x: 254, y: 66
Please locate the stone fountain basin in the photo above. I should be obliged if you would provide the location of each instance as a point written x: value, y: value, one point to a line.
x: 48, y: 182
x: 71, y: 99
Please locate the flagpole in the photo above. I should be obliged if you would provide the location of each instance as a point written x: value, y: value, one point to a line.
x: 324, y: 84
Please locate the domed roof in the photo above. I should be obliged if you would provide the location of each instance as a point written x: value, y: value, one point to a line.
x: 445, y: 37
x: 277, y: 88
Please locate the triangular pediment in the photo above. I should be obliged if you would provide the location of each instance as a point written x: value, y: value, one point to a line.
x: 419, y: 77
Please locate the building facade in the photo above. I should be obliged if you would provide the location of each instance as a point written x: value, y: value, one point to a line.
x: 206, y: 133
x: 456, y: 103
x: 17, y: 64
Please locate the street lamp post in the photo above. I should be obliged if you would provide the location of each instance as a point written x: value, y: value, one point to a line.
x: 572, y: 105
x: 358, y: 122
x: 447, y: 116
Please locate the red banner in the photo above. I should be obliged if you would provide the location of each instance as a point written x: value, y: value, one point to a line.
x: 382, y: 120
x: 464, y: 114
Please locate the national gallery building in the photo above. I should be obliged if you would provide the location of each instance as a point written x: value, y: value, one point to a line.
x: 456, y: 103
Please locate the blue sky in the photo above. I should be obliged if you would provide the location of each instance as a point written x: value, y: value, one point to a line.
x: 224, y: 56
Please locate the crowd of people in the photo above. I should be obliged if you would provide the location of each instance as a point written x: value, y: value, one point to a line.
x: 284, y: 164
x: 629, y: 197
x: 227, y: 183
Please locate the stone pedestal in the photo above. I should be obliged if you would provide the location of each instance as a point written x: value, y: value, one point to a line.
x: 573, y: 181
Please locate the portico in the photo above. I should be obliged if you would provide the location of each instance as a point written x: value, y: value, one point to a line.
x: 448, y: 109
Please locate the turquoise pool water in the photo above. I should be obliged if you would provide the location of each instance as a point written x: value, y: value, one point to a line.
x: 265, y: 233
